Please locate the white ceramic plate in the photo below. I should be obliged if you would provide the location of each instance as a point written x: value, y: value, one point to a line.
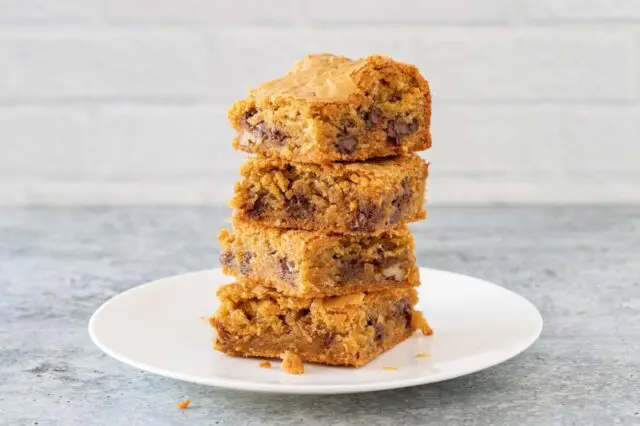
x: 161, y: 327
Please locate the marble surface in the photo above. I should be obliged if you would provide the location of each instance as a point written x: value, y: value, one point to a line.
x: 579, y: 265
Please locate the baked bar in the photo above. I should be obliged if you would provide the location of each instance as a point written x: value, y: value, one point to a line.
x: 308, y: 264
x: 340, y: 197
x: 330, y: 108
x: 342, y: 330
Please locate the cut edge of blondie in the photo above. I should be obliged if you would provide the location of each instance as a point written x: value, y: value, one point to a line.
x: 348, y: 330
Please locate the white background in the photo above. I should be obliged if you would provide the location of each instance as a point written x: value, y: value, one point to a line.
x: 123, y: 101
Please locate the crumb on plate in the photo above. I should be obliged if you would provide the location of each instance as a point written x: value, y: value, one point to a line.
x: 389, y: 368
x: 184, y: 404
x: 423, y: 355
x: 264, y: 364
x: 291, y: 363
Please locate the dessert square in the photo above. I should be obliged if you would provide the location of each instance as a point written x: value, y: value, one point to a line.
x: 370, y: 196
x: 330, y: 108
x: 341, y: 330
x: 308, y: 264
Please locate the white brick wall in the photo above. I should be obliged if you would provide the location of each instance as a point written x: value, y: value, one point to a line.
x: 123, y: 101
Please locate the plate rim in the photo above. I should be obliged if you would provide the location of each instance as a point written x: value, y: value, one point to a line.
x: 310, y: 389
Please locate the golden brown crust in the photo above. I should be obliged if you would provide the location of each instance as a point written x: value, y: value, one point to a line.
x: 330, y: 108
x: 343, y: 197
x: 327, y: 78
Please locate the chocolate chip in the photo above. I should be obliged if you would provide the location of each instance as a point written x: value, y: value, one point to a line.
x: 349, y: 269
x: 346, y: 145
x: 285, y: 270
x: 400, y: 202
x: 398, y: 129
x: 299, y: 207
x: 245, y: 263
x: 372, y: 117
x: 403, y: 308
x: 226, y: 257
x: 256, y: 209
x: 365, y: 218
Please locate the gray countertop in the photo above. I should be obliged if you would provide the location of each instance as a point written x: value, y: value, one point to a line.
x: 579, y: 265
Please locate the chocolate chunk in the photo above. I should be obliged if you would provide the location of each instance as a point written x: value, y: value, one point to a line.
x: 400, y: 202
x: 261, y: 131
x: 372, y: 117
x: 245, y: 263
x: 402, y: 308
x: 349, y: 269
x: 378, y: 329
x: 226, y: 257
x: 285, y: 269
x: 398, y: 129
x: 277, y: 136
x: 329, y: 339
x: 365, y: 218
x: 379, y: 332
x: 383, y: 262
x: 256, y: 209
x: 244, y: 123
x: 302, y: 313
x: 299, y: 207
x: 346, y: 145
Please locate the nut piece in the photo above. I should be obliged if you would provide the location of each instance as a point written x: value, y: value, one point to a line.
x: 418, y: 322
x: 292, y: 364
x: 395, y: 272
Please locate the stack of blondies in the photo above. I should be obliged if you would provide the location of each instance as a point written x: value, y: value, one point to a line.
x: 323, y: 258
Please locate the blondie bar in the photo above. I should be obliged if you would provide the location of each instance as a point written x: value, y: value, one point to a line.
x: 339, y: 197
x: 307, y: 264
x: 342, y: 330
x: 330, y: 108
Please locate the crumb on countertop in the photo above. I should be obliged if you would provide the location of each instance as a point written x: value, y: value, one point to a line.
x: 389, y: 368
x: 423, y: 355
x: 291, y: 363
x: 184, y: 404
x: 264, y: 364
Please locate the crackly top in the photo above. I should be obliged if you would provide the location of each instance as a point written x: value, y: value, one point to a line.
x: 326, y: 77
